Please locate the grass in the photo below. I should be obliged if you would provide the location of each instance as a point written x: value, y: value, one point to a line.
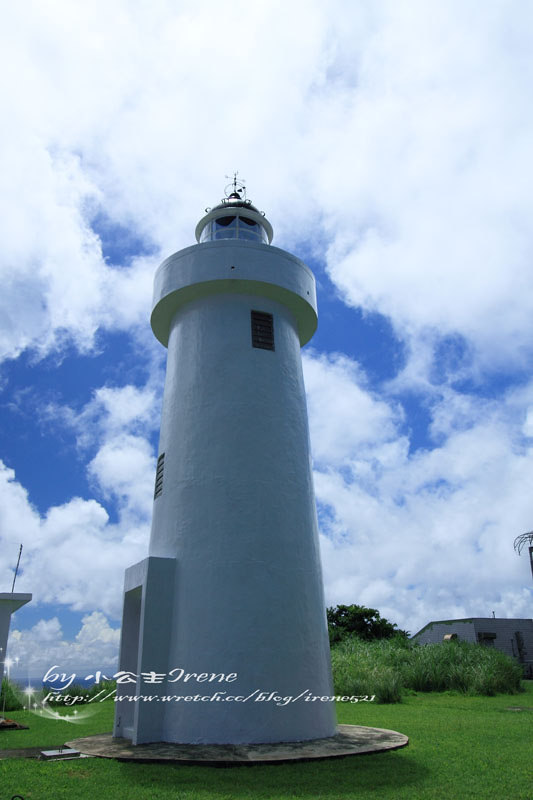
x: 461, y: 747
x: 388, y: 667
x: 52, y: 733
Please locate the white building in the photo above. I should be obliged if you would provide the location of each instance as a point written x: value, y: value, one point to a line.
x: 232, y: 585
x: 9, y: 603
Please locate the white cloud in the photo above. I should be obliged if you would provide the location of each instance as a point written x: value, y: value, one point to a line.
x: 119, y: 421
x: 42, y: 647
x: 113, y: 411
x: 74, y: 555
x: 107, y: 113
x: 336, y: 382
x: 427, y: 533
x: 527, y: 427
x: 429, y: 222
x: 401, y: 132
x: 121, y: 464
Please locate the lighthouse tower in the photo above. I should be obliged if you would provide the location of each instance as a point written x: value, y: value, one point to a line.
x: 225, y: 619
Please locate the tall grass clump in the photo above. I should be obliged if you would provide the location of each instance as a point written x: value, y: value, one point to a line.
x: 366, y: 668
x: 461, y: 666
x: 387, y: 667
x: 10, y: 699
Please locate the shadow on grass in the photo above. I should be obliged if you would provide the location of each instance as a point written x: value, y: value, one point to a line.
x: 335, y: 777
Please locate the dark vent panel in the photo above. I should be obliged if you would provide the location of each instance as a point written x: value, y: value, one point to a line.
x: 159, y: 476
x: 262, y: 330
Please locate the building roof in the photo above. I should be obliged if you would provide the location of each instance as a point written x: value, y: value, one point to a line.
x: 471, y: 620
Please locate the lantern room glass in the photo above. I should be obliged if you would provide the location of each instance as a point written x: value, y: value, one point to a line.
x: 234, y: 227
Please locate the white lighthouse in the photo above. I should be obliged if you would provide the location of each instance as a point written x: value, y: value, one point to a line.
x: 227, y: 612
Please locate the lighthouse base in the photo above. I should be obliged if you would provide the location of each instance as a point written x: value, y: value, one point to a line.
x: 233, y: 677
x: 350, y: 740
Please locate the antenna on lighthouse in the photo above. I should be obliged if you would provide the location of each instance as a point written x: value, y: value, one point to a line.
x: 236, y: 190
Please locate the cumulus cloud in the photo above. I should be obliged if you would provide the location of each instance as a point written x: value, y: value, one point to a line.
x: 423, y: 532
x: 431, y: 226
x: 113, y: 411
x: 74, y: 555
x: 397, y: 133
x: 43, y: 647
x: 347, y: 415
x: 124, y: 462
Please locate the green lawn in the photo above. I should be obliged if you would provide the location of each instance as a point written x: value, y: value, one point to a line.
x: 460, y: 747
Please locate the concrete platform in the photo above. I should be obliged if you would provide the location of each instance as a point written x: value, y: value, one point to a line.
x: 63, y: 753
x: 350, y: 740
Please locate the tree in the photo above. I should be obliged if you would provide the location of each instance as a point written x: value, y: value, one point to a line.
x: 363, y: 622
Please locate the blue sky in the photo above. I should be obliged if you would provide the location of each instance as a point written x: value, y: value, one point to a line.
x: 389, y: 144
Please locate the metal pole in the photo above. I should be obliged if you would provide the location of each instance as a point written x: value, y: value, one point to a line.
x: 16, y: 570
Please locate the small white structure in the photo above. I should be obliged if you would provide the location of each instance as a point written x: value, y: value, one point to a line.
x: 9, y: 603
x: 232, y: 585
